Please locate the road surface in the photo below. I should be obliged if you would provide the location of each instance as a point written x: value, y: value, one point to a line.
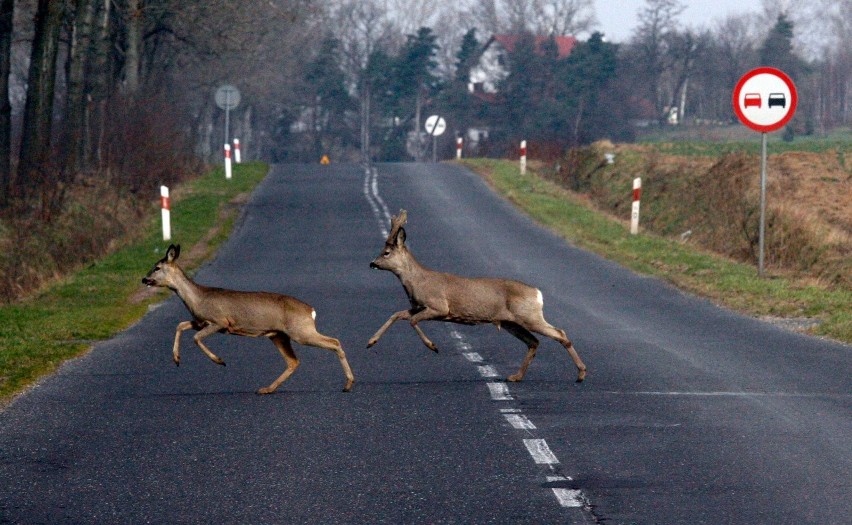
x: 690, y: 414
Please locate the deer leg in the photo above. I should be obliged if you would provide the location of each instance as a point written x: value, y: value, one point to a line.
x: 425, y: 315
x: 204, y: 332
x: 186, y: 325
x: 329, y: 343
x: 532, y: 344
x: 402, y: 314
x: 545, y: 329
x: 282, y: 342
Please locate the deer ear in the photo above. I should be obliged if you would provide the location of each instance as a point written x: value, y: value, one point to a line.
x: 173, y: 252
x: 400, y: 237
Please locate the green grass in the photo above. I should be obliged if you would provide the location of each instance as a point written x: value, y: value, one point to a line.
x: 63, y: 320
x: 735, y: 139
x: 732, y: 284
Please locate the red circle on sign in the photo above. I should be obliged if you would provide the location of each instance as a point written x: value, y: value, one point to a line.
x: 754, y: 100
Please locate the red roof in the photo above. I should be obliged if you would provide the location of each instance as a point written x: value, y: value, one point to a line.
x: 563, y: 43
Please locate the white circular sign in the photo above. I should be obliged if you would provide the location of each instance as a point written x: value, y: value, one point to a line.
x: 765, y: 99
x: 227, y: 97
x: 435, y: 125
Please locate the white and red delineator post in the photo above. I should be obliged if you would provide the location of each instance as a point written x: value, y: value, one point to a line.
x: 237, y: 151
x: 459, y: 142
x: 227, y: 161
x: 634, y: 214
x: 166, y: 206
x: 523, y: 157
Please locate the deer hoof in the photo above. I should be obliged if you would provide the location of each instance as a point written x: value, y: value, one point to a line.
x: 371, y: 342
x: 581, y: 375
x: 514, y: 378
x: 348, y: 386
x: 265, y: 390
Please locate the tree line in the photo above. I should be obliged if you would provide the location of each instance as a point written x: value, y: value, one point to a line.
x: 122, y: 90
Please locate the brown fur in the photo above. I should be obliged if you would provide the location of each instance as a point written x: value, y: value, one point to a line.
x: 437, y: 296
x: 279, y: 317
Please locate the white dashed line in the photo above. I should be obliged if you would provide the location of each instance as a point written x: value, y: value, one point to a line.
x: 487, y: 371
x: 499, y: 392
x: 538, y: 448
x: 540, y: 452
x: 566, y: 497
x: 519, y: 421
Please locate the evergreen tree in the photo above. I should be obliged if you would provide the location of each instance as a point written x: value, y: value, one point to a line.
x: 777, y: 49
x: 328, y: 98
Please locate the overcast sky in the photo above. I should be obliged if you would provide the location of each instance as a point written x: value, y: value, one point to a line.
x: 617, y: 18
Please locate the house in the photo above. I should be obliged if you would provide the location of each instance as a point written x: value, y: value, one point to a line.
x: 491, y: 67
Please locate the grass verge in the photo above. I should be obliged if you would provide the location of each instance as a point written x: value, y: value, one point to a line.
x: 63, y: 320
x: 728, y: 283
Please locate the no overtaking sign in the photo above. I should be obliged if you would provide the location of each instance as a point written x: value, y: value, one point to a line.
x: 765, y: 99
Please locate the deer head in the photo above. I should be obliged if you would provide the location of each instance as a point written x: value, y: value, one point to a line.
x: 394, y: 252
x: 164, y: 271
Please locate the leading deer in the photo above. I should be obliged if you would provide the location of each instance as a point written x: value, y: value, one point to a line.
x: 436, y: 296
x: 281, y: 318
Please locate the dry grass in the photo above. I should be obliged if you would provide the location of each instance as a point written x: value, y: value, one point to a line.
x: 716, y: 199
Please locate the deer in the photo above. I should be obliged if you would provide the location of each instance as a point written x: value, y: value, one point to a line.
x: 279, y: 317
x: 438, y: 296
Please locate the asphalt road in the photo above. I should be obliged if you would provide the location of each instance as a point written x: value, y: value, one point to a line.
x: 690, y: 414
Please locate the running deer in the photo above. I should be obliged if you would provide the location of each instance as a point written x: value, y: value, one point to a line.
x: 436, y: 296
x: 281, y: 318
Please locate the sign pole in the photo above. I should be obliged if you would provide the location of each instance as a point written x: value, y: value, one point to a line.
x: 764, y: 100
x: 762, y: 233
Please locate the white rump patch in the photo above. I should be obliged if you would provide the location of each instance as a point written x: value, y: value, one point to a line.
x: 539, y: 297
x: 313, y: 314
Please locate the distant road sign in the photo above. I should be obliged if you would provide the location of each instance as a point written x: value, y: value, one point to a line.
x: 227, y: 97
x: 435, y: 125
x: 765, y: 99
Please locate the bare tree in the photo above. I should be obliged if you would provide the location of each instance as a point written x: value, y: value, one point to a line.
x: 650, y: 43
x: 38, y: 110
x: 541, y: 17
x: 7, y: 8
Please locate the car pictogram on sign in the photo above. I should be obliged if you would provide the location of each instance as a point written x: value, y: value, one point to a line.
x: 752, y: 100
x: 777, y: 99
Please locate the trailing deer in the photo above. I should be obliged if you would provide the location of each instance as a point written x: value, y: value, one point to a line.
x: 279, y: 317
x: 436, y: 296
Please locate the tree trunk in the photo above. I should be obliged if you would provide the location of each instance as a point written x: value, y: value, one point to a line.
x: 6, y: 11
x: 38, y: 109
x: 99, y: 83
x: 75, y: 111
x: 134, y: 46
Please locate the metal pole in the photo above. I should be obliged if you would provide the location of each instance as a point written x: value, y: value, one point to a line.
x: 227, y: 111
x: 762, y: 202
x: 434, y: 157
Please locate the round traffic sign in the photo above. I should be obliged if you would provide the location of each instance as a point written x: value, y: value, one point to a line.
x: 765, y: 99
x: 227, y: 97
x: 435, y: 125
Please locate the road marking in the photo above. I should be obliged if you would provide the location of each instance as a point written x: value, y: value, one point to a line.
x: 473, y: 357
x: 566, y: 497
x: 538, y: 448
x: 540, y: 452
x: 499, y: 392
x: 729, y: 394
x: 487, y: 371
x: 519, y: 421
x: 371, y: 192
